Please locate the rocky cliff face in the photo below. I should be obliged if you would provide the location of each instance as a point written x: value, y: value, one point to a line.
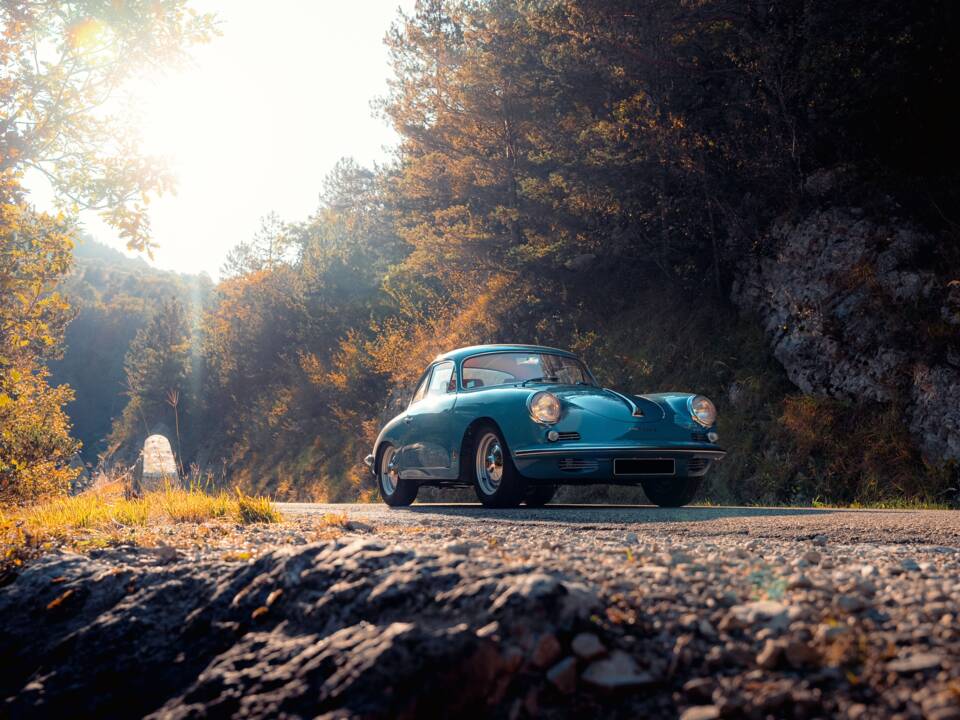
x: 856, y: 308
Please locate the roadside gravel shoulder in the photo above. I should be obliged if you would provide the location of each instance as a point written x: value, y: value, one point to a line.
x: 563, y: 612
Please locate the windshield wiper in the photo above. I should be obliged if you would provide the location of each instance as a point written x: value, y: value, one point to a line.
x: 539, y: 379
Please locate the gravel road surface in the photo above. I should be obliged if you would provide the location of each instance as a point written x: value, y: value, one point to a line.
x: 928, y: 527
x: 768, y: 612
x: 449, y: 610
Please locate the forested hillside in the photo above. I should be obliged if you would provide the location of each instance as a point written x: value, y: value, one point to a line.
x: 113, y: 297
x: 752, y: 200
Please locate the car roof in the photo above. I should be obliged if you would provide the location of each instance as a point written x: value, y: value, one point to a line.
x: 464, y: 352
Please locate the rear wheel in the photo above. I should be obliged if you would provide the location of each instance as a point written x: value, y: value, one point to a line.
x: 540, y: 495
x: 394, y: 491
x: 671, y: 492
x: 496, y: 480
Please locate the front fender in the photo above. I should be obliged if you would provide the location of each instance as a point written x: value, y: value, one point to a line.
x: 389, y: 434
x: 506, y: 406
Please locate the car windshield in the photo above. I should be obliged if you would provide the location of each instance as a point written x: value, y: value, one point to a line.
x: 506, y: 368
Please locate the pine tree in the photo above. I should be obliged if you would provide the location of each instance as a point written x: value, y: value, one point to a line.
x: 157, y: 368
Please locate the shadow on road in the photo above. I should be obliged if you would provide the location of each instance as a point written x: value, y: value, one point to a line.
x: 597, y: 514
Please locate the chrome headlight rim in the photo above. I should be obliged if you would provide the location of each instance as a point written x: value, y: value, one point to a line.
x: 536, y: 408
x: 707, y: 418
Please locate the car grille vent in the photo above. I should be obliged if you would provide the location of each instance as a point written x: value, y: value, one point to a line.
x: 568, y: 436
x: 577, y: 465
x: 698, y: 437
x: 697, y: 465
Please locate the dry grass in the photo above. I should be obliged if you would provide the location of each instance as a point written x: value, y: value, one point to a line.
x: 334, y: 520
x: 105, y: 508
x: 105, y: 515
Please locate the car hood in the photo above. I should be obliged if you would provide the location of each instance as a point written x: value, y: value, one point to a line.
x: 610, y: 404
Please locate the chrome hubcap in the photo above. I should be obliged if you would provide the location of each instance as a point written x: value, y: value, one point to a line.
x: 389, y: 475
x: 489, y: 463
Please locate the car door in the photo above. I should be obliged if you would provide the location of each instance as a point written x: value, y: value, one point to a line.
x: 406, y: 434
x: 427, y: 453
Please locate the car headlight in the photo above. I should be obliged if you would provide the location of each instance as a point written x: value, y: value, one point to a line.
x: 545, y: 407
x: 703, y: 411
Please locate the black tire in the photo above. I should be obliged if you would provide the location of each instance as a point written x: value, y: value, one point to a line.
x: 540, y: 495
x: 395, y: 491
x: 671, y: 492
x: 497, y: 483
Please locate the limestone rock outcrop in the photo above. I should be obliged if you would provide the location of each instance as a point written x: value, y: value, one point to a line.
x: 849, y: 303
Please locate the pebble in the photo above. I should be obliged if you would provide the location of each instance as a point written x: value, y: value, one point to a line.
x: 461, y: 548
x: 769, y: 657
x: 619, y: 671
x: 563, y: 675
x: 909, y: 564
x: 915, y: 663
x: 587, y: 646
x: 356, y: 526
x: 760, y: 611
x: 799, y: 582
x: 849, y: 603
x: 701, y: 712
x: 699, y: 688
x: 800, y: 654
x: 546, y: 651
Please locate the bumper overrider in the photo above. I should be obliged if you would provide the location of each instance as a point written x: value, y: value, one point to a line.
x: 625, y: 464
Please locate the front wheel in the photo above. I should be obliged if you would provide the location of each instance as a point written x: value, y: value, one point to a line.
x: 496, y: 480
x: 671, y: 492
x: 394, y: 491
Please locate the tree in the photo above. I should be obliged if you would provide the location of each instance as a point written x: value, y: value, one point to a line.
x: 157, y: 366
x: 269, y: 247
x: 60, y: 63
x: 35, y: 443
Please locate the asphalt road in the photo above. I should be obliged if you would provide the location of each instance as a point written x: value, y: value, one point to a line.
x: 924, y: 527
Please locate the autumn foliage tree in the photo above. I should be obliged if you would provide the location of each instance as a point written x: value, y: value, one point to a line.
x: 35, y: 442
x: 59, y: 64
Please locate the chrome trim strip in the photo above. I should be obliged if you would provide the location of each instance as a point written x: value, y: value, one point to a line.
x: 572, y: 451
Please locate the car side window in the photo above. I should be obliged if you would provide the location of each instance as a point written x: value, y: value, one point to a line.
x: 421, y: 388
x: 442, y: 380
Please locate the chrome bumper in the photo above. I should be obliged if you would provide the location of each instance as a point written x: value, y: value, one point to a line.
x: 574, y: 450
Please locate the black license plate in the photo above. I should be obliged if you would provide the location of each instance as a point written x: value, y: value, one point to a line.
x: 643, y: 466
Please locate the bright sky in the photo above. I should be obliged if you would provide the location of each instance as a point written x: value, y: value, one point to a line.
x: 260, y: 118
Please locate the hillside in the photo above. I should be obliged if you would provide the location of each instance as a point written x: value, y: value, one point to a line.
x: 696, y: 197
x: 113, y: 296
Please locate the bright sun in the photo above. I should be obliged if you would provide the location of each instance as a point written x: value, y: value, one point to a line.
x: 258, y: 118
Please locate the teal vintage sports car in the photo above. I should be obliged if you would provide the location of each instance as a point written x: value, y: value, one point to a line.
x: 515, y: 421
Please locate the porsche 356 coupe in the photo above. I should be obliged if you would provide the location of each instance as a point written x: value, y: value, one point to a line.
x: 516, y: 421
